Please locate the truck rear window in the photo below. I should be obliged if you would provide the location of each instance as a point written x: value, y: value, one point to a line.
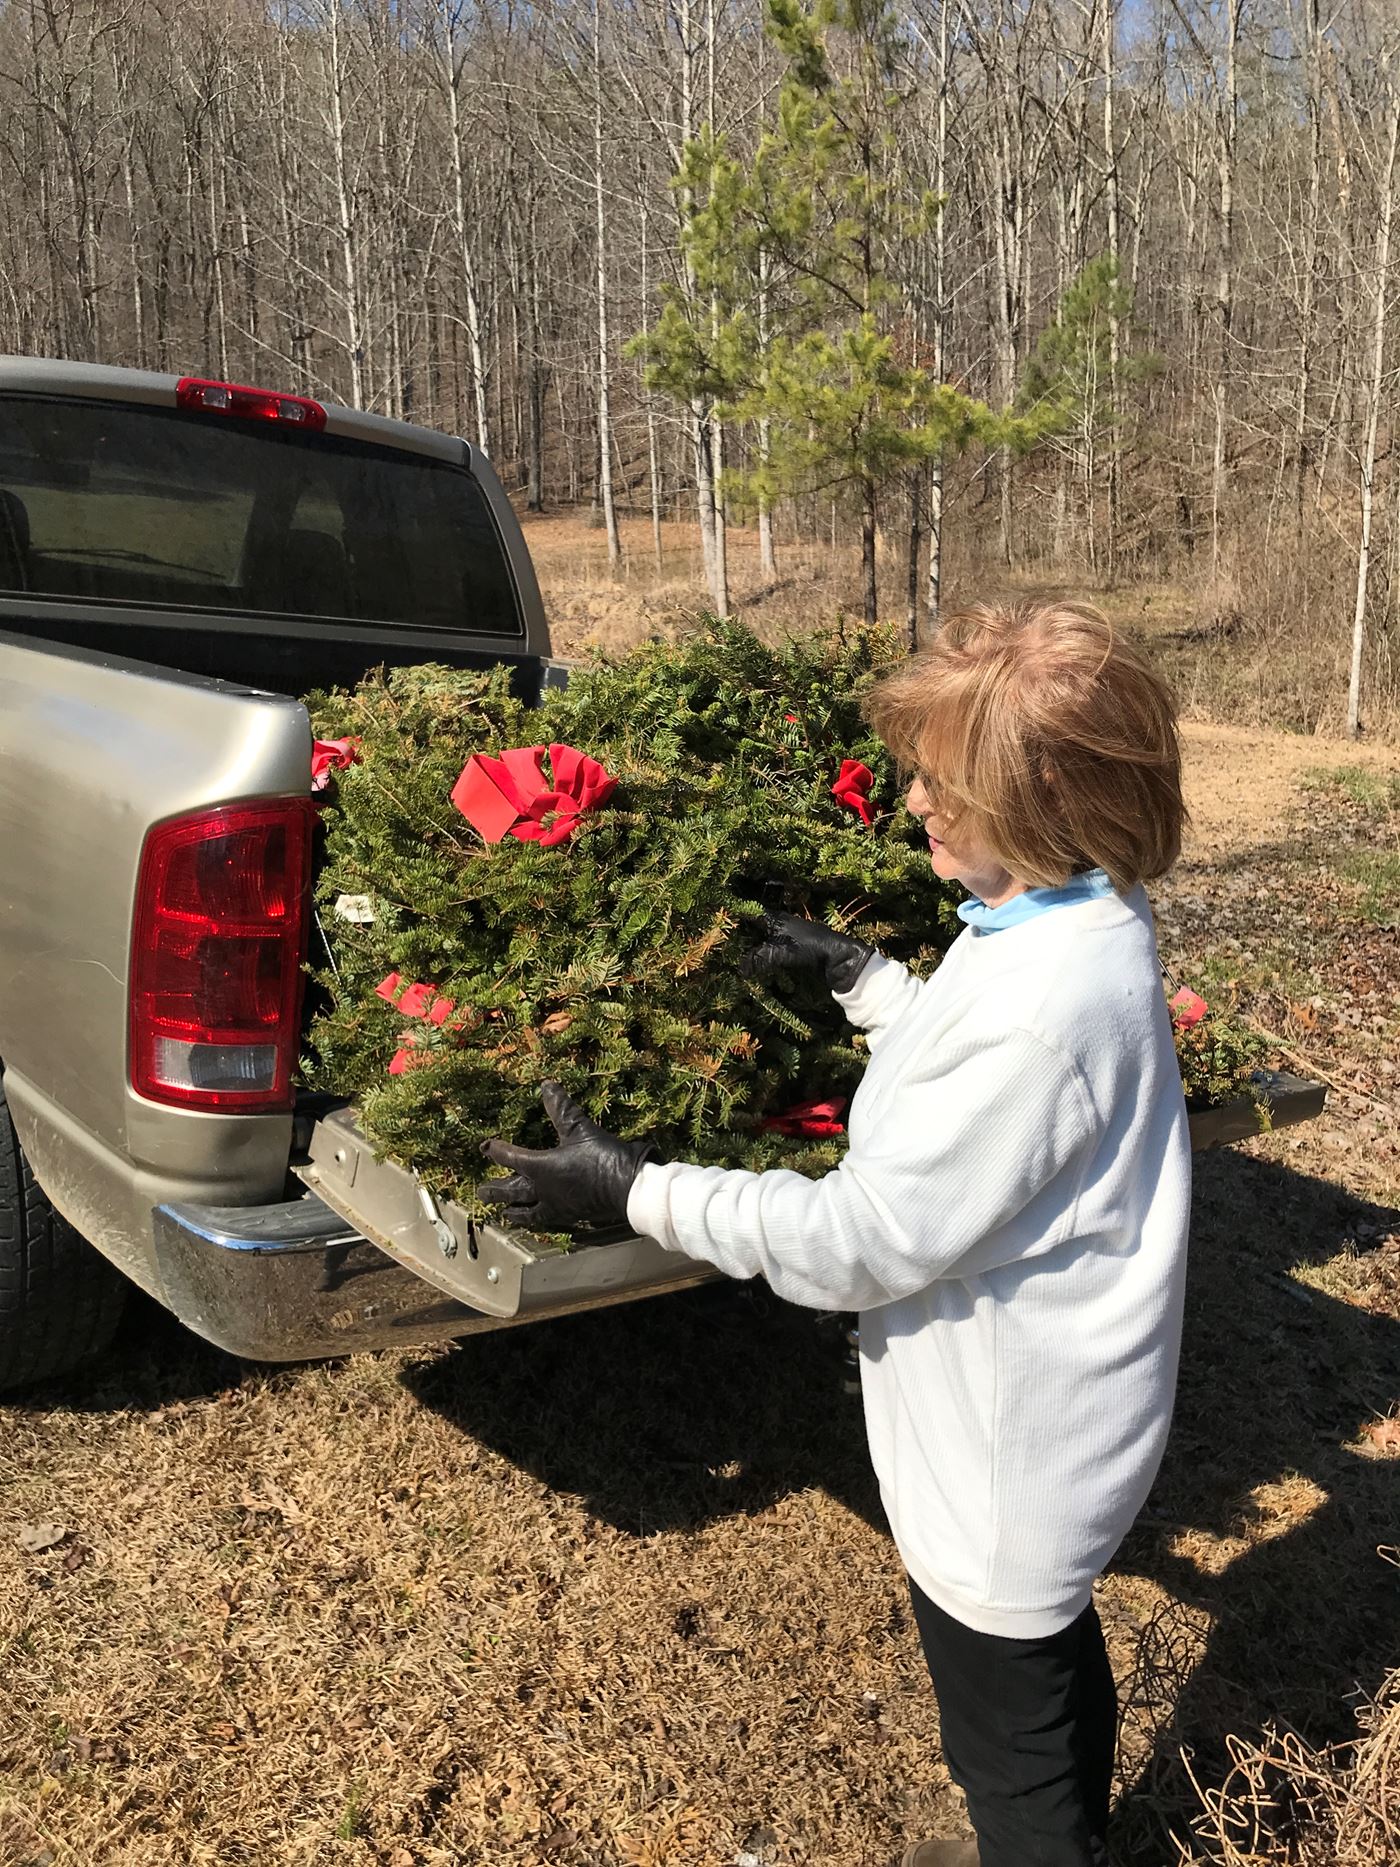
x: 101, y: 502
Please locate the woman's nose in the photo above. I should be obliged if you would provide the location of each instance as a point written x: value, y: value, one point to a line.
x: 918, y: 802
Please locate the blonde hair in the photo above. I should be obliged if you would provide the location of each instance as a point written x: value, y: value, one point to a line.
x: 1043, y: 733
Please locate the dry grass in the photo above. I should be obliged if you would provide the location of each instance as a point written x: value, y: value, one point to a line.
x: 1335, y: 1805
x: 614, y: 1592
x: 1264, y: 643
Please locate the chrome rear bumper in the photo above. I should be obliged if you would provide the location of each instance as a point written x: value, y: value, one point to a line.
x: 295, y: 1282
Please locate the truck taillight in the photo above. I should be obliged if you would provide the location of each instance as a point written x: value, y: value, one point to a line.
x: 217, y: 952
x: 232, y: 398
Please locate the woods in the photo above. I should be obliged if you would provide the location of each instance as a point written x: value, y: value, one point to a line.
x: 1170, y: 218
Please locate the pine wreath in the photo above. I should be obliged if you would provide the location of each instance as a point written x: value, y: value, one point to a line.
x: 602, y: 949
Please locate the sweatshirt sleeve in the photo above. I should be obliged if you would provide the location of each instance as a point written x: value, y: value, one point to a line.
x: 883, y: 995
x: 934, y: 1193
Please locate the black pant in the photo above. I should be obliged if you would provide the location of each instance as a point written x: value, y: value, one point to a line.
x: 1029, y: 1730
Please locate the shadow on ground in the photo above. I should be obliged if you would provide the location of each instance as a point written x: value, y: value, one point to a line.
x: 152, y: 1361
x: 717, y: 1402
x: 1277, y: 1379
x: 668, y: 1415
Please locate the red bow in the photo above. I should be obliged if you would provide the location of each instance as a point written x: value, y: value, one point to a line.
x: 408, y: 1056
x: 852, y: 788
x: 1187, y: 1008
x: 808, y: 1118
x: 415, y: 1001
x: 328, y: 755
x: 510, y: 793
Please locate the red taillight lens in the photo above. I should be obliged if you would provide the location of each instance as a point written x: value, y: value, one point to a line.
x: 231, y: 398
x: 218, y: 945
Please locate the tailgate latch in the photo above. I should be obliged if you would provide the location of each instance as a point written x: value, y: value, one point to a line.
x: 442, y: 1231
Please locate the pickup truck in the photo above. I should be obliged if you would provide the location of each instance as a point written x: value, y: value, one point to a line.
x: 179, y: 560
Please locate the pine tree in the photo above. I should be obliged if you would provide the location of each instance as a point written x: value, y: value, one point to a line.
x: 1067, y: 389
x: 805, y: 323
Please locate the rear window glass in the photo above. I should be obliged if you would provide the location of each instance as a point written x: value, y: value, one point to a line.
x: 105, y: 503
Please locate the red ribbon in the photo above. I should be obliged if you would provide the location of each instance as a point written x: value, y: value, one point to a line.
x: 511, y: 794
x: 328, y: 755
x: 415, y: 1001
x: 809, y: 1119
x: 852, y: 788
x: 407, y: 1057
x: 1187, y: 1008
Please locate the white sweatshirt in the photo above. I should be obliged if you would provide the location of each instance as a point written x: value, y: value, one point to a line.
x: 1011, y: 1221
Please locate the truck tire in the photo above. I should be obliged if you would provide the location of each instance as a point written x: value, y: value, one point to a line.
x: 60, y: 1300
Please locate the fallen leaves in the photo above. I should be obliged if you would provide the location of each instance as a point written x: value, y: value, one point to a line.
x: 1380, y: 1439
x: 272, y: 1503
x: 34, y: 1538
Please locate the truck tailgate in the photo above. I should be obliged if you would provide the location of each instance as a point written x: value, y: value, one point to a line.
x: 513, y: 1276
x: 504, y: 1273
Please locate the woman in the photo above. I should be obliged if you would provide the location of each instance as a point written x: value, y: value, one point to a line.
x: 1011, y: 1216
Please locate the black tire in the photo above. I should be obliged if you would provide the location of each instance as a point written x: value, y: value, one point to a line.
x: 60, y: 1300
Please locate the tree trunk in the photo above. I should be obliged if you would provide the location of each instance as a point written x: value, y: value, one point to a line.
x: 1373, y: 403
x: 916, y: 528
x: 534, y: 470
x: 1006, y: 276
x: 697, y: 413
x: 471, y: 305
x: 345, y: 227
x: 1225, y: 274
x: 721, y: 529
x: 939, y: 321
x: 867, y: 552
x: 721, y: 538
x: 605, y: 480
x: 1110, y: 156
x: 534, y: 380
x: 653, y: 453
x: 1309, y: 253
x: 767, y: 561
x: 935, y: 541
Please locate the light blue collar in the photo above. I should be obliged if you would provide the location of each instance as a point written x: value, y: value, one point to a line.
x: 1093, y: 885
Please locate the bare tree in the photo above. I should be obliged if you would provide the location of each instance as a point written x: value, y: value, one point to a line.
x: 605, y: 434
x: 463, y: 212
x: 1380, y: 289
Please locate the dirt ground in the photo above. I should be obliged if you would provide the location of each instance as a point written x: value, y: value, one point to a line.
x: 615, y: 1591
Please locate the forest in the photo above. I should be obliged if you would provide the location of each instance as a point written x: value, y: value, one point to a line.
x: 1077, y: 289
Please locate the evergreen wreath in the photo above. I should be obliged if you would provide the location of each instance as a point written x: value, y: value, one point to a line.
x: 600, y: 945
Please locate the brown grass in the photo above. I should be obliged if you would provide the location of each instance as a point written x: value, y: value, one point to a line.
x: 614, y: 1591
x: 1337, y: 1804
x: 1264, y: 643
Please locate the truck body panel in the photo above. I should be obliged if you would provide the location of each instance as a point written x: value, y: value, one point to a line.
x: 94, y: 750
x: 122, y: 705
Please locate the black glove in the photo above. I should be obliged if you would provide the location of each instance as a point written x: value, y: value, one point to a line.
x: 790, y: 941
x: 583, y: 1181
